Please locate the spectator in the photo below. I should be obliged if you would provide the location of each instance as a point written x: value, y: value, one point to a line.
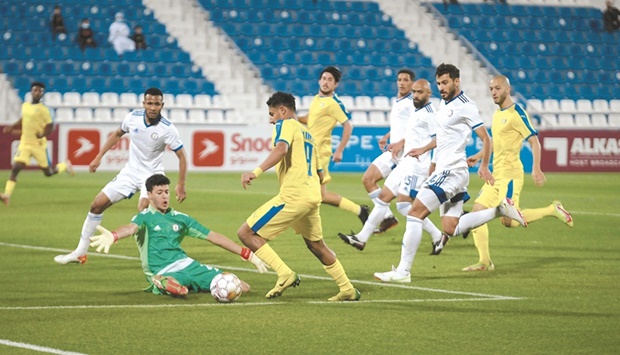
x: 138, y: 38
x: 86, y: 36
x: 57, y: 22
x: 119, y: 35
x: 611, y: 17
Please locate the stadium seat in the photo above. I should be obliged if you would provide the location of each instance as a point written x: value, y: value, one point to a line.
x: 52, y: 99
x: 599, y: 120
x: 128, y: 100
x: 583, y: 120
x: 381, y: 102
x: 599, y: 106
x: 109, y: 99
x: 184, y: 101
x: 567, y: 106
x: 90, y: 99
x: 178, y: 115
x: 119, y: 113
x: 102, y: 114
x: 614, y: 120
x: 566, y: 120
x: 585, y: 106
x: 197, y: 115
x: 71, y: 99
x: 359, y: 117
x: 535, y: 105
x: 377, y: 117
x: 83, y: 114
x: 363, y: 102
x: 202, y: 101
x: 215, y: 116
x: 64, y: 114
x: 549, y: 120
x: 551, y: 105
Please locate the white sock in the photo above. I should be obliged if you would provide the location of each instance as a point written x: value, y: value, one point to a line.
x: 411, y: 242
x: 375, y: 217
x: 403, y: 208
x: 374, y: 195
x: 431, y: 229
x: 388, y: 213
x: 88, y: 229
x: 475, y: 219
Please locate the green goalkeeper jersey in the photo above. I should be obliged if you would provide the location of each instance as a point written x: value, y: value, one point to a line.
x: 160, y: 235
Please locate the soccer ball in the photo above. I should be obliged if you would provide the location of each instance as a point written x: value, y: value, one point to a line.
x: 226, y: 287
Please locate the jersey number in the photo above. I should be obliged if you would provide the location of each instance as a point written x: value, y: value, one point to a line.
x: 308, y: 150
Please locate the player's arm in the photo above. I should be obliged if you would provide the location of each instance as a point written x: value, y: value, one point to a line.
x: 105, y: 240
x: 109, y: 143
x: 303, y: 119
x: 224, y: 242
x: 416, y: 152
x: 46, y: 131
x: 180, y: 188
x: 347, y: 130
x: 13, y: 128
x: 487, y: 149
x: 277, y: 153
x: 537, y: 174
x: 383, y: 142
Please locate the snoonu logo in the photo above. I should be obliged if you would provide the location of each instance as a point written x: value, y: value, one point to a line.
x: 208, y: 148
x: 83, y: 145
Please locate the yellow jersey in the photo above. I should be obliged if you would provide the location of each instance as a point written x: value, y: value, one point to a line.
x: 34, y: 119
x: 297, y: 171
x: 510, y: 127
x: 324, y: 113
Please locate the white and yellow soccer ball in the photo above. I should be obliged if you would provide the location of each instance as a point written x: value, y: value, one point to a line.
x: 226, y: 287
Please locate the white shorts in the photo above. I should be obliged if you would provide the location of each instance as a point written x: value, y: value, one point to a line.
x: 447, y: 189
x: 385, y: 164
x: 125, y: 185
x: 406, y: 179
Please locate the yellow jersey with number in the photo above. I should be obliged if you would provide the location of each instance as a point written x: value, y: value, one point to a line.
x: 510, y: 127
x: 298, y: 170
x: 324, y: 113
x: 34, y: 119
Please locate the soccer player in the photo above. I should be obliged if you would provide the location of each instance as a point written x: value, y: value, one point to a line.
x: 297, y: 204
x: 159, y: 231
x: 446, y: 188
x: 511, y: 125
x: 325, y: 111
x: 383, y: 165
x: 36, y: 124
x: 418, y: 138
x: 150, y: 133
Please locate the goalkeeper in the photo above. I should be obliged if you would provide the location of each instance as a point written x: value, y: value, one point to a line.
x: 159, y: 231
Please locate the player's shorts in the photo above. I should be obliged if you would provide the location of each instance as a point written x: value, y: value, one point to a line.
x: 27, y: 151
x: 274, y: 217
x: 385, y: 163
x: 446, y: 189
x: 404, y: 180
x: 325, y: 160
x: 196, y: 276
x: 492, y: 196
x: 126, y: 184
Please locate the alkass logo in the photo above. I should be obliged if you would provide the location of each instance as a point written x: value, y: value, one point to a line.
x: 83, y: 146
x: 208, y: 149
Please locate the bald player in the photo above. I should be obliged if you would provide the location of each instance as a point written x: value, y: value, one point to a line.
x: 511, y: 125
x: 407, y: 178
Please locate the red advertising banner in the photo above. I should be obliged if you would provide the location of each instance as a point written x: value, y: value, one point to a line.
x: 10, y: 142
x: 580, y: 151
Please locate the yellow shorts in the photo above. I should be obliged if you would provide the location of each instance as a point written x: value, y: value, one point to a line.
x: 325, y: 160
x: 492, y: 196
x: 274, y: 217
x: 27, y: 151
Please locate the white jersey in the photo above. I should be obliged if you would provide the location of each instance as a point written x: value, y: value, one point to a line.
x: 399, y: 115
x: 148, y: 142
x: 420, y: 131
x: 455, y: 120
x: 118, y: 30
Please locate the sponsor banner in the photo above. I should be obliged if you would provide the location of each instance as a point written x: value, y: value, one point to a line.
x: 580, y: 151
x: 208, y: 148
x: 10, y: 142
x: 363, y: 148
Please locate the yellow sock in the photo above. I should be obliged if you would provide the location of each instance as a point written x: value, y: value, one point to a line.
x: 481, y: 241
x: 62, y: 167
x: 9, y: 187
x: 533, y: 214
x: 350, y: 206
x: 269, y: 256
x: 336, y: 271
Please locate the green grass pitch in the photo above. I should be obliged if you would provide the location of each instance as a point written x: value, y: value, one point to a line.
x: 554, y: 290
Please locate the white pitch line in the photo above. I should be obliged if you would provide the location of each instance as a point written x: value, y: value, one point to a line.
x: 42, y: 349
x: 325, y: 278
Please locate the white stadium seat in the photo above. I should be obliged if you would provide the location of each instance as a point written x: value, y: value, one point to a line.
x: 566, y: 120
x: 551, y: 105
x: 614, y: 120
x: 103, y: 114
x: 363, y: 102
x: 568, y: 106
x: 71, y: 99
x: 614, y: 105
x: 584, y: 106
x: 219, y: 101
x: 178, y: 115
x: 215, y: 116
x: 196, y: 115
x: 90, y: 99
x: 202, y: 101
x: 129, y: 100
x: 549, y: 120
x: 168, y: 101
x: 184, y: 101
x: 64, y: 114
x: 600, y: 106
x: 109, y: 99
x: 599, y: 120
x: 233, y: 116
x: 583, y: 120
x: 347, y: 101
x: 359, y: 117
x: 84, y: 114
x: 119, y: 113
x: 51, y: 99
x: 381, y: 102
x: 377, y: 117
x: 534, y: 105
x: 306, y: 100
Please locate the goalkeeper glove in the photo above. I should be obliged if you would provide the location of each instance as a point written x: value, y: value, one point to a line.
x: 103, y: 241
x: 246, y: 254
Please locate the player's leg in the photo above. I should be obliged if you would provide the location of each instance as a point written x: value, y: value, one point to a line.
x: 21, y: 159
x: 407, y: 191
x: 309, y: 226
x: 334, y: 199
x: 264, y: 224
x: 379, y: 169
x: 555, y: 209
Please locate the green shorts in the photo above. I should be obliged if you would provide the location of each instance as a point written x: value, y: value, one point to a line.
x: 197, y: 277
